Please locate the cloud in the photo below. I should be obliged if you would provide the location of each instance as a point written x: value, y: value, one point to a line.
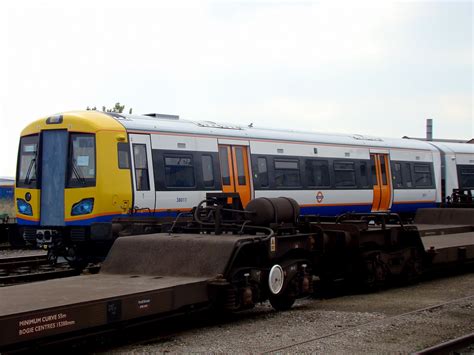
x: 369, y: 67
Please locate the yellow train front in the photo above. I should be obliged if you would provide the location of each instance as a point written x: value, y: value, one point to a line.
x: 67, y: 190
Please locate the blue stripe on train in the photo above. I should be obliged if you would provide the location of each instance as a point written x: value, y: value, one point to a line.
x: 334, y: 210
x: 337, y: 210
x: 25, y: 222
x: 315, y: 210
x: 86, y: 222
x: 411, y: 207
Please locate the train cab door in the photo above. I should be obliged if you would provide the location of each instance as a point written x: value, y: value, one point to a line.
x: 53, y: 176
x: 381, y: 179
x: 142, y: 172
x: 235, y: 171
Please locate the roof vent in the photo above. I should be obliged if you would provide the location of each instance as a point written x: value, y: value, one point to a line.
x: 162, y: 116
x: 211, y: 124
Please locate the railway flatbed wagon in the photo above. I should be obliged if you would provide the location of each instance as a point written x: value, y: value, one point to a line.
x: 230, y: 265
x: 153, y: 275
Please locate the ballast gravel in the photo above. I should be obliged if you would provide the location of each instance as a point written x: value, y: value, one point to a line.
x: 357, y: 323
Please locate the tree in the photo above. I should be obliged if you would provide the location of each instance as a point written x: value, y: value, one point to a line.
x: 117, y: 108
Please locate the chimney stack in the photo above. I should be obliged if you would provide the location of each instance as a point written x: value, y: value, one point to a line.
x: 429, y: 129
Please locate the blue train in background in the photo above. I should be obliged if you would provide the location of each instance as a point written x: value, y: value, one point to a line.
x: 8, y: 225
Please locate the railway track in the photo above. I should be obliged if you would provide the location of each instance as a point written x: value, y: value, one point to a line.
x: 21, y: 269
x: 287, y: 348
x: 5, y: 246
x: 457, y: 345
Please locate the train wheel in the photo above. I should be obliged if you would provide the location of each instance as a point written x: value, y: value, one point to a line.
x: 375, y: 273
x: 413, y: 269
x: 282, y: 302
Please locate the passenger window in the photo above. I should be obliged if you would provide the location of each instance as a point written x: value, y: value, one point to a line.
x: 466, y: 177
x: 364, y: 174
x: 397, y: 175
x: 123, y: 156
x: 224, y: 163
x: 408, y: 178
x: 262, y: 172
x: 207, y: 171
x: 141, y: 167
x: 239, y: 157
x: 317, y: 173
x: 344, y: 174
x: 179, y: 171
x: 383, y: 167
x: 422, y: 175
x: 373, y: 170
x: 287, y: 173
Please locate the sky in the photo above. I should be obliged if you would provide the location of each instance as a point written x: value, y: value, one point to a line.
x: 369, y: 67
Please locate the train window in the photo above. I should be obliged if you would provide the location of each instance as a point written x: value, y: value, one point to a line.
x: 27, y: 162
x: 383, y: 167
x: 466, y: 177
x: 317, y: 173
x: 207, y: 171
x: 422, y: 175
x: 141, y: 167
x: 408, y: 177
x: 239, y: 157
x: 81, y: 160
x: 364, y: 174
x: 344, y: 174
x: 287, y: 173
x: 373, y: 170
x: 179, y: 171
x: 123, y: 156
x: 224, y: 163
x: 397, y: 175
x: 262, y: 172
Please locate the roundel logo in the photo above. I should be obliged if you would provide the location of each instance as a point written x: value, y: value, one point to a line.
x: 319, y: 197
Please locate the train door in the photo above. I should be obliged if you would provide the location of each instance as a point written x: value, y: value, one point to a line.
x: 381, y: 179
x: 53, y: 176
x: 235, y: 171
x: 143, y: 176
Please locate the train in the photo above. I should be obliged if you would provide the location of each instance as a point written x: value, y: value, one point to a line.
x: 8, y: 226
x: 86, y: 177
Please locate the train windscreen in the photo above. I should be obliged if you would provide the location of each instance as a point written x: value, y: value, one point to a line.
x: 82, y: 166
x: 27, y: 162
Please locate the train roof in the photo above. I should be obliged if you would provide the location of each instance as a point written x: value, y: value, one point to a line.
x: 171, y: 124
x: 6, y: 181
x: 456, y: 148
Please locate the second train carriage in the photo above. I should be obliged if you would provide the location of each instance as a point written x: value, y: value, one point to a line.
x: 457, y: 172
x: 81, y: 172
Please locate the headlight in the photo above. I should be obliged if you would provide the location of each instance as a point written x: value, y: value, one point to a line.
x: 24, y: 207
x: 83, y: 207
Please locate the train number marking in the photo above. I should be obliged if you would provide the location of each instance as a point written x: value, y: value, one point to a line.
x: 181, y: 199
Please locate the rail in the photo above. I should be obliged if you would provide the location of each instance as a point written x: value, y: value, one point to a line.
x: 363, y: 325
x: 450, y: 345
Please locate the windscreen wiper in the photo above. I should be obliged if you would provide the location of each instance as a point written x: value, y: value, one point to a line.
x: 30, y: 168
x: 77, y: 173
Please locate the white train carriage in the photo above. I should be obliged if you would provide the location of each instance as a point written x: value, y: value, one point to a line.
x: 457, y: 167
x: 176, y: 162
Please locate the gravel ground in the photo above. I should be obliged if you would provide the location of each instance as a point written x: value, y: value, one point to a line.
x: 365, y: 322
